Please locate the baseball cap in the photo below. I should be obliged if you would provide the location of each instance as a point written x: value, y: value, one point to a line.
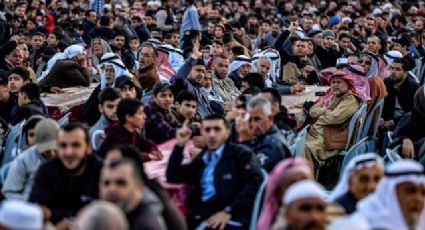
x: 3, y: 77
x: 124, y: 80
x: 16, y: 214
x: 402, y: 40
x: 46, y: 132
x: 161, y: 87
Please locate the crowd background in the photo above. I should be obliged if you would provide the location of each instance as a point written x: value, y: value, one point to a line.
x: 213, y: 114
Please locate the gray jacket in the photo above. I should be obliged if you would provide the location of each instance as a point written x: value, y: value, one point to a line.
x: 20, y: 178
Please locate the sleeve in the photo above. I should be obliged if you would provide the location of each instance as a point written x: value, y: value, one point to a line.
x: 161, y: 17
x: 178, y: 173
x: 14, y: 185
x: 158, y: 129
x: 341, y: 113
x: 317, y: 110
x: 40, y: 192
x: 184, y: 71
x: 279, y: 45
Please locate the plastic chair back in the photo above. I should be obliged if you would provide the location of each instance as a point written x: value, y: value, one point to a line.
x: 352, y: 125
x: 377, y: 109
x: 11, y: 147
x: 355, y: 150
x: 64, y: 120
x: 391, y: 155
x: 300, y: 141
x: 258, y: 201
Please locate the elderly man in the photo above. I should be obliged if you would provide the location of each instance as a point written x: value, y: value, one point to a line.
x: 267, y: 141
x: 329, y: 134
x: 238, y: 69
x: 305, y: 205
x: 398, y: 202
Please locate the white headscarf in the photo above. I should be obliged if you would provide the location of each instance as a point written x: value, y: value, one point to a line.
x: 274, y: 69
x: 70, y: 52
x: 117, y: 64
x: 357, y: 163
x: 381, y: 208
x: 239, y: 61
x: 374, y: 68
x: 304, y: 189
x: 392, y: 55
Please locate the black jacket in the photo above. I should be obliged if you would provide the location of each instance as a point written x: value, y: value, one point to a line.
x: 62, y: 193
x: 28, y: 110
x: 90, y: 113
x: 410, y: 126
x: 142, y: 218
x: 237, y: 178
x: 405, y: 94
x: 348, y: 202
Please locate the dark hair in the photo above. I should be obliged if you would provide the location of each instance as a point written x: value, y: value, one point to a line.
x: 134, y: 38
x: 149, y: 44
x: 255, y: 79
x: 32, y: 90
x: 109, y: 94
x: 218, y: 42
x: 216, y: 116
x: 77, y: 125
x: 127, y: 161
x: 105, y: 21
x: 237, y: 50
x: 344, y: 35
x: 21, y: 71
x: 186, y: 96
x: 31, y: 123
x: 132, y: 153
x: 276, y: 96
x: 38, y: 34
x: 136, y: 18
x: 87, y: 14
x: 119, y: 33
x: 127, y: 106
x: 404, y: 64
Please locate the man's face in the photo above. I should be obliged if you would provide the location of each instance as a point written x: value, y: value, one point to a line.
x: 364, y: 181
x: 366, y: 63
x: 399, y: 47
x: 138, y: 119
x: 25, y: 52
x: 16, y: 57
x: 221, y: 67
x: 215, y: 133
x: 339, y: 86
x: 20, y: 11
x: 135, y: 23
x: 110, y: 74
x: 244, y: 69
x: 217, y: 49
x: 329, y: 41
x: 109, y: 109
x: 411, y: 200
x: 72, y: 148
x: 15, y: 83
x: 119, y: 41
x: 206, y: 81
x: 119, y: 186
x: 307, y: 213
x: 37, y: 42
x: 134, y: 44
x: 265, y: 27
x: 218, y: 32
x: 186, y: 108
x: 128, y: 91
x: 373, y: 45
x: 300, y: 49
x: 345, y: 43
x: 52, y: 41
x: 92, y: 17
x: 397, y: 73
x: 263, y: 67
x: 147, y: 56
x: 197, y: 73
x: 307, y: 24
x: 164, y: 99
x: 317, y: 39
x: 259, y: 121
x: 353, y: 60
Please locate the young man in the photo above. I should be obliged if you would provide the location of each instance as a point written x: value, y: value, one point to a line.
x: 108, y: 103
x: 17, y: 77
x: 160, y: 126
x: 29, y: 103
x: 131, y: 117
x: 184, y: 107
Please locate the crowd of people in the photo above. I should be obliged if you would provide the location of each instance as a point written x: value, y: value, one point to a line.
x: 211, y: 77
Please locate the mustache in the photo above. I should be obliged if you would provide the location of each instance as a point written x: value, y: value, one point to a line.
x: 312, y: 225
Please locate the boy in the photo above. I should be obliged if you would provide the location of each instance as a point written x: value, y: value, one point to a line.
x: 17, y: 77
x: 29, y: 103
x: 131, y: 117
x: 132, y: 54
x: 184, y: 108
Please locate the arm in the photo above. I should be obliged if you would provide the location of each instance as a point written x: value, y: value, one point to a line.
x: 178, y: 173
x: 341, y: 113
x: 161, y: 16
x: 14, y: 185
x: 184, y: 71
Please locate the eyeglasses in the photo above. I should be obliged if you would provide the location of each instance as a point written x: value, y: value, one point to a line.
x: 366, y: 62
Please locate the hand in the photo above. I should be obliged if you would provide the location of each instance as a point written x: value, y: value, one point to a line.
x: 218, y: 220
x: 309, y: 68
x: 39, y: 61
x: 196, y: 49
x: 183, y: 134
x: 293, y: 26
x: 155, y: 155
x: 243, y: 128
x: 297, y: 88
x: 64, y: 224
x: 388, y: 124
x: 194, y: 152
x: 408, y: 150
x: 55, y: 90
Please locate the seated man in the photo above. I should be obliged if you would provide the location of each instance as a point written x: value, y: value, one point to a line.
x: 359, y: 179
x: 398, y: 202
x: 68, y: 182
x: 329, y: 134
x: 29, y: 103
x: 184, y: 108
x: 401, y: 90
x: 224, y: 177
x: 222, y: 84
x: 266, y: 142
x: 239, y: 68
x: 160, y: 126
x: 131, y: 117
x: 108, y: 102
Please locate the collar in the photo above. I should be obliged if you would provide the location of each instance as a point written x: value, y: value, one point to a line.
x: 218, y: 152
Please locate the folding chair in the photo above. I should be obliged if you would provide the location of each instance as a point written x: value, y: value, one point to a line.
x: 391, y: 155
x: 258, y: 201
x: 299, y: 142
x: 377, y: 109
x: 360, y: 147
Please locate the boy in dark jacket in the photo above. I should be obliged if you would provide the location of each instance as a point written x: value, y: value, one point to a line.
x: 29, y: 103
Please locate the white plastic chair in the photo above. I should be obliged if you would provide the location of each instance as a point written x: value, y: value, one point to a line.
x: 391, y: 155
x: 258, y: 201
x: 298, y: 146
x: 360, y: 147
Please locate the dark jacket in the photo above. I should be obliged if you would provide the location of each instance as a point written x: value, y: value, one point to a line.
x: 327, y: 57
x: 236, y: 79
x: 269, y: 148
x: 237, y: 178
x: 90, y: 113
x: 26, y: 111
x: 143, y: 33
x: 63, y: 193
x: 6, y: 108
x: 142, y: 218
x: 410, y: 126
x: 405, y: 94
x: 348, y: 202
x: 118, y: 135
x: 64, y: 74
x: 103, y: 32
x: 160, y: 125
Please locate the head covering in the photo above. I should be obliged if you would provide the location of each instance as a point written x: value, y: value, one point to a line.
x: 419, y: 102
x: 377, y: 12
x: 16, y: 214
x: 327, y: 33
x: 73, y: 51
x: 361, y: 84
x: 313, y: 32
x: 117, y: 64
x: 346, y: 19
x: 402, y: 40
x: 357, y: 163
x: 239, y: 61
x: 274, y: 56
x: 124, y: 80
x: 46, y: 132
x: 161, y: 87
x: 392, y: 55
x: 334, y: 20
x: 302, y: 190
x: 271, y: 201
x: 105, y: 47
x: 381, y: 208
x: 351, y: 222
x: 373, y: 71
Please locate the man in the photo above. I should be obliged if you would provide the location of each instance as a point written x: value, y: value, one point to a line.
x: 38, y: 42
x: 267, y: 141
x: 402, y: 44
x: 108, y: 103
x: 222, y: 84
x: 238, y: 69
x: 89, y: 21
x: 401, y: 90
x: 101, y: 215
x: 22, y: 171
x: 160, y: 126
x: 263, y: 66
x: 373, y: 44
x: 121, y: 183
x: 224, y: 177
x: 184, y: 108
x: 328, y: 52
x: 299, y: 196
x: 165, y: 17
x: 29, y: 103
x: 131, y: 117
x: 332, y: 117
x: 140, y: 28
x: 190, y: 19
x: 6, y: 102
x: 17, y: 77
x: 69, y: 181
x: 398, y: 202
x: 118, y: 42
